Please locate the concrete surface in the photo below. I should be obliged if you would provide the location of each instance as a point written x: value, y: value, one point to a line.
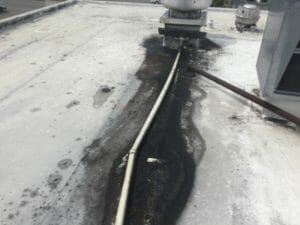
x: 250, y: 171
x: 66, y: 78
x: 52, y: 106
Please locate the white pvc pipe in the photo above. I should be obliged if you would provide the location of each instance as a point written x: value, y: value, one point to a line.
x: 121, y: 212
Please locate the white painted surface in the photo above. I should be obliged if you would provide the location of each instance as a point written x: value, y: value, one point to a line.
x: 44, y: 66
x: 250, y: 172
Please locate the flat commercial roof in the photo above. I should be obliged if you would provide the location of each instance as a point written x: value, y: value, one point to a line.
x: 66, y: 80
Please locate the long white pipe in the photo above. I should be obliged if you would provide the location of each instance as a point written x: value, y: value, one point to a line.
x: 120, y: 216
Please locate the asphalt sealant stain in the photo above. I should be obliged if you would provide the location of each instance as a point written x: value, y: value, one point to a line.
x: 161, y: 187
x: 165, y: 165
x: 160, y: 190
x: 104, y: 171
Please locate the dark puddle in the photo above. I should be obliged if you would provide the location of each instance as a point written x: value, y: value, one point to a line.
x: 165, y: 165
x: 159, y: 191
x: 102, y: 94
x: 103, y: 170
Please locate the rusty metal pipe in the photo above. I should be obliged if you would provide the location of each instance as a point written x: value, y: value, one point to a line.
x: 273, y: 108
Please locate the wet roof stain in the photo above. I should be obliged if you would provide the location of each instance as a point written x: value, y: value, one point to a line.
x: 65, y: 163
x: 105, y: 90
x: 102, y: 95
x: 10, y: 216
x: 236, y: 119
x: 54, y: 180
x: 35, y: 109
x: 34, y: 193
x: 23, y: 203
x: 72, y: 104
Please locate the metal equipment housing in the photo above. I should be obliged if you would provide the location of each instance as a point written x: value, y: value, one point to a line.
x: 278, y: 64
